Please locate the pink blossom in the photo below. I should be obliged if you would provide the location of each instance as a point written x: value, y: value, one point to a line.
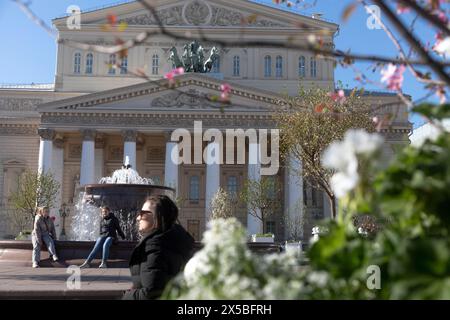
x: 171, y: 75
x: 378, y: 123
x: 440, y: 92
x: 338, y: 97
x: 393, y: 76
x: 402, y: 9
x: 226, y: 89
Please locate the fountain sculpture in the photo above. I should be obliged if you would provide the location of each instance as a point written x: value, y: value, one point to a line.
x: 124, y: 193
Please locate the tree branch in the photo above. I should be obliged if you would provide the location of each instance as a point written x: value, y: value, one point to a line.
x: 415, y: 44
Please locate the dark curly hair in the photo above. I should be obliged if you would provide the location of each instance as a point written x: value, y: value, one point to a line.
x: 166, y: 214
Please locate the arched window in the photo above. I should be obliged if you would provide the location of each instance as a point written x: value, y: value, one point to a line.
x: 194, y: 188
x: 216, y: 66
x: 236, y: 66
x: 271, y: 187
x: 313, y: 67
x: 232, y: 186
x: 279, y: 66
x: 112, y: 63
x: 267, y: 66
x: 305, y: 193
x: 270, y: 227
x: 301, y: 67
x: 77, y: 63
x: 124, y: 65
x: 89, y: 63
x: 155, y: 64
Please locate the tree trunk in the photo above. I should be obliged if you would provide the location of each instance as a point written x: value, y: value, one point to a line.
x: 333, y: 206
x: 332, y: 199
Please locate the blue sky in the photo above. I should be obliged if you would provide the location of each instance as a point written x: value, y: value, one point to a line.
x: 28, y: 54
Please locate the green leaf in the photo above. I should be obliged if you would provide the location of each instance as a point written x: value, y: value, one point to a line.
x: 433, y: 111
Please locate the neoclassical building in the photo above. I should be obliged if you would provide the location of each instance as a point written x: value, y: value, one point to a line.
x: 83, y: 125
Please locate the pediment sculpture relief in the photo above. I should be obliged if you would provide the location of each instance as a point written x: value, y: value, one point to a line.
x: 199, y: 13
x: 192, y: 99
x: 170, y: 17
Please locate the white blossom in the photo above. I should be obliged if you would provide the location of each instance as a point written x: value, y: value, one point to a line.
x: 318, y: 278
x: 443, y: 47
x: 363, y: 142
x: 342, y: 156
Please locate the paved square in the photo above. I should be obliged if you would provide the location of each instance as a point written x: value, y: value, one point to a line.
x: 51, y: 283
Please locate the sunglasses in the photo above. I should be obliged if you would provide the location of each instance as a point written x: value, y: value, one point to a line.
x: 142, y: 212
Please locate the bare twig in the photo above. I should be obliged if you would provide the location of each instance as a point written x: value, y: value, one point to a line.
x: 400, y: 50
x: 431, y: 62
x: 33, y: 17
x: 427, y: 16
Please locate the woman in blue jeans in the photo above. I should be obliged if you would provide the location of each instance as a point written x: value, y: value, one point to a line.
x: 109, y: 227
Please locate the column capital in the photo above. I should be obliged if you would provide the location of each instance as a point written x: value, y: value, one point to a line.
x: 88, y: 134
x: 100, y: 141
x: 46, y: 134
x: 59, y: 141
x: 129, y: 135
x: 140, y: 141
x: 167, y: 135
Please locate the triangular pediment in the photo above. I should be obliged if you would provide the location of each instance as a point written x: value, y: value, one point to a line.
x: 192, y: 93
x: 205, y: 13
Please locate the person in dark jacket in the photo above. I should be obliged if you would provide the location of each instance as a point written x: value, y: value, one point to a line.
x: 109, y: 227
x: 162, y: 253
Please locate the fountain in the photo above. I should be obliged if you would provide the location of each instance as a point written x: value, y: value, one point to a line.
x: 124, y: 193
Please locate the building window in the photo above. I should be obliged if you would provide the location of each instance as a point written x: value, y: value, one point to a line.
x: 271, y: 187
x: 236, y: 66
x: 89, y: 63
x: 124, y: 65
x: 77, y: 63
x: 270, y: 227
x: 317, y: 197
x: 314, y: 196
x: 112, y: 64
x: 194, y: 188
x: 232, y: 186
x: 155, y: 64
x: 301, y: 67
x: 305, y: 194
x: 313, y: 67
x: 216, y: 66
x: 279, y: 67
x: 267, y: 66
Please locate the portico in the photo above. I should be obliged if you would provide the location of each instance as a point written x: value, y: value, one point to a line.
x: 100, y: 130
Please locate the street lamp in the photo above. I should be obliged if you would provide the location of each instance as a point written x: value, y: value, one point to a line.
x: 63, y: 213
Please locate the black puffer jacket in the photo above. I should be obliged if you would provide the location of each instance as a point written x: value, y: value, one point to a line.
x: 158, y: 258
x: 110, y: 226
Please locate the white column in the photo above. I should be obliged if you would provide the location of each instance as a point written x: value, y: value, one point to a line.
x: 293, y: 198
x: 171, y: 166
x: 212, y: 176
x: 99, y: 157
x: 129, y: 147
x: 58, y: 172
x: 254, y: 225
x: 87, y: 170
x: 45, y: 150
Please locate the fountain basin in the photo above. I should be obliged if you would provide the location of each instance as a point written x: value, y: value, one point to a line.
x: 124, y: 201
x: 123, y: 197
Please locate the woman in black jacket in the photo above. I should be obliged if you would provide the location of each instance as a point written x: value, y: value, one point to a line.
x: 163, y: 251
x: 109, y: 227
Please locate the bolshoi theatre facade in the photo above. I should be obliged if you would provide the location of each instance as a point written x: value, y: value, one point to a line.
x: 83, y: 125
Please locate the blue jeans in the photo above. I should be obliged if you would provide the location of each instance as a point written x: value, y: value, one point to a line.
x: 104, y: 242
x: 36, y: 257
